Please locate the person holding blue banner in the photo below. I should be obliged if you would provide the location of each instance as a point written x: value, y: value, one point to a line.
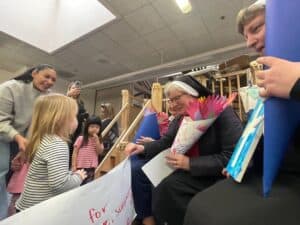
x: 201, y: 166
x: 275, y: 82
x: 140, y: 184
x: 231, y: 203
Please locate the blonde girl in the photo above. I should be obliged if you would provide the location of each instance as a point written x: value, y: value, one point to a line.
x: 53, y: 120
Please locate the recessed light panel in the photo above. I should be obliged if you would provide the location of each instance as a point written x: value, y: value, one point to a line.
x: 51, y: 24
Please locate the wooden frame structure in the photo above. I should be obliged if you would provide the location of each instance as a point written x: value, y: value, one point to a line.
x: 130, y: 120
x: 116, y: 153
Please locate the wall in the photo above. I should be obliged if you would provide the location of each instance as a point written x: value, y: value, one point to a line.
x: 87, y: 95
x: 5, y: 75
x: 60, y: 86
x: 112, y: 95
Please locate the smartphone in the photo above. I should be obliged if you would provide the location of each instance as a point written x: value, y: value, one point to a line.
x: 77, y: 84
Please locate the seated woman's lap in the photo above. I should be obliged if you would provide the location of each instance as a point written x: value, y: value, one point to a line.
x: 230, y: 203
x: 174, y: 193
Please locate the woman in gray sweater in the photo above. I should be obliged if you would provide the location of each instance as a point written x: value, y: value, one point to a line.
x: 16, y: 102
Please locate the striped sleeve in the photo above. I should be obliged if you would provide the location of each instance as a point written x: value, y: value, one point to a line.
x: 56, y: 154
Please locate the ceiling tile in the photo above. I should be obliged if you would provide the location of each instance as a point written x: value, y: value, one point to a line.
x: 172, y: 54
x: 149, y: 60
x: 124, y: 7
x: 169, y: 11
x: 123, y: 57
x: 226, y: 36
x: 121, y: 32
x: 212, y: 13
x: 149, y: 20
x: 138, y: 47
x: 190, y: 27
x: 198, y: 45
x: 101, y: 41
x: 162, y: 39
x: 84, y: 49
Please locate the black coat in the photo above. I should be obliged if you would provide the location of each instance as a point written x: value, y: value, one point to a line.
x: 215, y: 146
x: 172, y: 195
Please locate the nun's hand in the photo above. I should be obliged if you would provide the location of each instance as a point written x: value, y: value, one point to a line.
x: 178, y: 161
x: 132, y: 149
x: 144, y: 140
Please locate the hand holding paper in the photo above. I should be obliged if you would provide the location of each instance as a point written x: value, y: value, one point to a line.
x: 178, y: 161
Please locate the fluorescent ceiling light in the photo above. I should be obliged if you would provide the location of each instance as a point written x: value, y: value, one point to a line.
x: 184, y: 5
x: 51, y: 24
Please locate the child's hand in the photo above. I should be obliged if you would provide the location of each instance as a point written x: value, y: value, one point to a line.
x: 22, y: 142
x: 95, y: 136
x: 18, y: 161
x: 82, y: 173
x: 225, y: 173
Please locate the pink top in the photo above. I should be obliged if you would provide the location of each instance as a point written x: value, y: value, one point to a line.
x: 87, y: 156
x: 16, y: 182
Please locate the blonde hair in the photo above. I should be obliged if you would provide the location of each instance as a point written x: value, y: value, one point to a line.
x: 247, y: 14
x: 51, y: 115
x: 108, y: 110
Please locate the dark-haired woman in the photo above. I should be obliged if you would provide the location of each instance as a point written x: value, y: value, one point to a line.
x: 16, y: 102
x: 107, y: 114
x: 74, y: 90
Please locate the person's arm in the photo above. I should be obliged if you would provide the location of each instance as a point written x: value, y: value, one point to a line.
x: 143, y: 140
x: 82, y: 114
x: 228, y: 128
x: 153, y: 148
x: 149, y: 150
x: 60, y: 179
x: 7, y: 131
x: 73, y: 92
x: 74, y: 158
x: 281, y: 79
x: 99, y: 145
x: 76, y: 148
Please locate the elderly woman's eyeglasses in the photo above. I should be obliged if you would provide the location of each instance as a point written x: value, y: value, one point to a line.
x: 175, y: 99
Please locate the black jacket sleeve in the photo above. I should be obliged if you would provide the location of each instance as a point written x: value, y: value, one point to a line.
x: 155, y: 147
x: 295, y: 92
x: 217, y: 145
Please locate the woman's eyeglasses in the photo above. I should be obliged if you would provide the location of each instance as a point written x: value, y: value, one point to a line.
x: 175, y: 99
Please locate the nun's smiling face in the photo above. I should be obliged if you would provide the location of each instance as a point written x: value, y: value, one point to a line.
x: 179, y: 101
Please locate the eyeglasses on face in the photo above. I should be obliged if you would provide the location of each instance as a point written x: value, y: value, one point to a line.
x: 175, y: 99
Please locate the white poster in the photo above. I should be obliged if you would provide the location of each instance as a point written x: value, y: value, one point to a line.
x: 157, y: 169
x: 105, y: 201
